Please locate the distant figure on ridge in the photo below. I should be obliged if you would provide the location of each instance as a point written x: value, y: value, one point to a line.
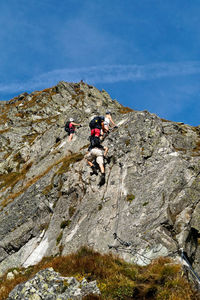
x: 70, y: 128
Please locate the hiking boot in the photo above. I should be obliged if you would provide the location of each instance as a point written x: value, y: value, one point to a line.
x: 102, y: 181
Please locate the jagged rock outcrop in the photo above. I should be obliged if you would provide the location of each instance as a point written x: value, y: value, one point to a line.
x: 48, y: 284
x: 51, y: 204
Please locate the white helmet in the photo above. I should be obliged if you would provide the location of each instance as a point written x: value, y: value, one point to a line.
x: 71, y: 119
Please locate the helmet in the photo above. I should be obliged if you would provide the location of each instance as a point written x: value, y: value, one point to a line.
x: 71, y: 119
x: 102, y: 118
x: 108, y: 113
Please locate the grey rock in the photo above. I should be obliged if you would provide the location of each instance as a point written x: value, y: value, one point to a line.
x: 3, y: 254
x: 51, y: 205
x: 10, y: 276
x: 48, y: 284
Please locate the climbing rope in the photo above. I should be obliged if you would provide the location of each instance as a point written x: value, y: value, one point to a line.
x: 119, y: 196
x: 127, y: 247
x: 123, y: 245
x: 190, y: 268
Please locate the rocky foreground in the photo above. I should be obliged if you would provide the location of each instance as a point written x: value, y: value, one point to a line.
x: 50, y: 204
x: 89, y: 275
x: 48, y: 284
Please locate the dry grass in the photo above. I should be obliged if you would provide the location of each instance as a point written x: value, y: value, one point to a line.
x: 72, y: 210
x: 50, y: 120
x: 78, y: 97
x: 180, y: 149
x: 164, y: 120
x: 30, y: 138
x: 7, y: 155
x: 37, y: 100
x: 196, y: 150
x: 125, y: 110
x: 115, y: 278
x: 9, y: 180
x: 3, y: 118
x: 68, y: 160
x: 22, y: 115
x: 4, y: 130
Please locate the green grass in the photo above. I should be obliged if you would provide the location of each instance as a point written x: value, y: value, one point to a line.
x: 65, y: 223
x: 59, y: 238
x: 130, y: 197
x: 72, y: 210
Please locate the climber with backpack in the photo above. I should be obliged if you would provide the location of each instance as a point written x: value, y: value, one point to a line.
x: 97, y: 126
x: 96, y: 154
x: 70, y: 128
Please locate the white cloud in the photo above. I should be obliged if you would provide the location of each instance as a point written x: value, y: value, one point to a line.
x: 106, y: 74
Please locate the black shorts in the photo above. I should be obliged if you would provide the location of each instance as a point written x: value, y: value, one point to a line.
x: 71, y: 131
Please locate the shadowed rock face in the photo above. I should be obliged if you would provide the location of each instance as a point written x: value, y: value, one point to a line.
x: 50, y: 204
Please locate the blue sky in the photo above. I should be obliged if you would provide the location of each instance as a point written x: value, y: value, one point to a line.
x: 145, y: 53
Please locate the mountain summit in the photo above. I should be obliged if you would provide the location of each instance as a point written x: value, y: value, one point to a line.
x: 51, y: 204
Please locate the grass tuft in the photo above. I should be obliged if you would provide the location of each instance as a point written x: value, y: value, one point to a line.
x: 65, y: 223
x: 68, y: 160
x: 72, y: 210
x: 125, y: 110
x: 9, y: 180
x: 116, y: 279
x: 59, y: 238
x: 130, y: 197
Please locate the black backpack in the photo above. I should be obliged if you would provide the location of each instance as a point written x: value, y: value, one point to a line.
x: 67, y: 126
x: 96, y: 123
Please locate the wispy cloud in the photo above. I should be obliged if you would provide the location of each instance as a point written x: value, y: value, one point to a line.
x: 106, y: 74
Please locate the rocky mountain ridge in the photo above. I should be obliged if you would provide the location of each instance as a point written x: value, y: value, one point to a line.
x: 50, y: 204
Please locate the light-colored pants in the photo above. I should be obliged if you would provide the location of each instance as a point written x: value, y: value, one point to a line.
x: 95, y: 153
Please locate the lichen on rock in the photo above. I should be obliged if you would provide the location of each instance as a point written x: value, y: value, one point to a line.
x: 48, y: 284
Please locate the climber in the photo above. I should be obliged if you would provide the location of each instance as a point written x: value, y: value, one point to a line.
x: 70, y: 128
x: 108, y: 120
x: 97, y: 126
x: 96, y: 153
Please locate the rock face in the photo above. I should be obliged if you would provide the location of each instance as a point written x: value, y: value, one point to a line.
x: 48, y: 284
x: 50, y: 203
